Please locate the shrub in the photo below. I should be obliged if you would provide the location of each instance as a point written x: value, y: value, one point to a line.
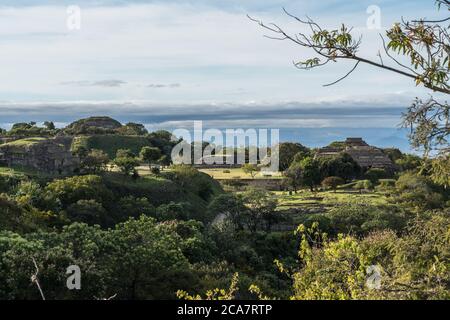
x: 332, y: 182
x: 375, y: 174
x: 72, y: 189
x: 363, y: 184
x: 386, y: 184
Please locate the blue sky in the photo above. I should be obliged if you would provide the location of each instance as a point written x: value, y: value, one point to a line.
x: 165, y: 63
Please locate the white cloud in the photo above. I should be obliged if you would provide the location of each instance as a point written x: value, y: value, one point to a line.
x: 213, y: 52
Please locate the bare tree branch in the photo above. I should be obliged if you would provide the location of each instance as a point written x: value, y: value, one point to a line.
x: 353, y: 69
x: 35, y: 279
x: 333, y: 45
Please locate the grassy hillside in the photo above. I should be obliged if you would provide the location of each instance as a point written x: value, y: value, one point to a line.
x: 21, y: 146
x: 111, y: 143
x: 25, y: 142
x: 163, y: 190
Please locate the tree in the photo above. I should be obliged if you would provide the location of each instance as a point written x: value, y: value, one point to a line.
x: 231, y: 206
x: 409, y: 162
x: 165, y: 160
x: 332, y: 182
x: 310, y: 172
x: 14, y: 217
x: 414, y: 266
x: 87, y: 211
x: 375, y: 174
x: 94, y: 161
x: 131, y: 206
x: 294, y: 175
x: 70, y: 190
x: 49, y: 125
x: 287, y: 152
x: 193, y: 180
x: 393, y: 153
x: 173, y: 211
x: 363, y: 185
x: 417, y: 191
x: 424, y: 43
x: 76, y: 244
x: 145, y: 259
x: 134, y: 129
x: 342, y: 166
x: 251, y: 169
x: 151, y: 155
x: 261, y: 207
x: 126, y: 161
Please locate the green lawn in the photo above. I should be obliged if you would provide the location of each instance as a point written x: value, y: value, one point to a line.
x: 327, y: 198
x: 111, y: 143
x: 25, y: 142
x: 237, y: 173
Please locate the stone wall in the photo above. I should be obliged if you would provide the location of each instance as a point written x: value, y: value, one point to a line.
x: 50, y: 155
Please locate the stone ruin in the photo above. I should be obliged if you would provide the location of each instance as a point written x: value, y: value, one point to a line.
x: 48, y: 155
x: 51, y: 154
x: 365, y: 155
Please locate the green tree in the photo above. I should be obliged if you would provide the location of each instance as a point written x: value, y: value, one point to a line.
x: 49, y: 125
x: 332, y: 182
x: 87, y: 211
x: 251, y: 169
x: 363, y: 185
x: 414, y: 266
x: 151, y: 155
x: 287, y: 152
x: 126, y: 161
x: 342, y: 166
x: 145, y: 260
x: 76, y: 244
x: 173, y: 211
x: 15, y: 217
x: 70, y: 190
x: 393, y: 153
x: 231, y: 206
x: 360, y: 219
x: 95, y: 161
x: 130, y: 206
x: 261, y: 206
x: 294, y: 175
x: 375, y: 174
x: 133, y: 129
x: 310, y: 172
x: 409, y: 162
x: 419, y: 192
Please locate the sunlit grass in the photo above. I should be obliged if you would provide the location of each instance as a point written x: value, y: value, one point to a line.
x: 327, y: 198
x: 238, y: 173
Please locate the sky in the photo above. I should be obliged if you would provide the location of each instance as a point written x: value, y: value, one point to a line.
x: 167, y: 63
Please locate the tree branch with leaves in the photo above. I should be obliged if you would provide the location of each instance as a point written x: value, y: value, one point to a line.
x: 417, y: 49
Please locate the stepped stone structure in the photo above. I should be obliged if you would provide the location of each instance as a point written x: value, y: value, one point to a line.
x: 93, y: 125
x: 48, y: 155
x: 365, y: 155
x: 52, y: 154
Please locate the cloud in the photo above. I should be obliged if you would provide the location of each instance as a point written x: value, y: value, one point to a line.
x: 101, y: 83
x: 321, y: 114
x: 160, y: 85
x: 212, y: 49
